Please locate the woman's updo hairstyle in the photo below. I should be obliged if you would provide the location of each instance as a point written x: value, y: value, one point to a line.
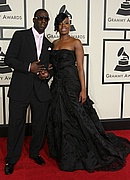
x: 59, y: 18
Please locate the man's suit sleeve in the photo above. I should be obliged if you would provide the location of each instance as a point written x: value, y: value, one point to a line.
x: 12, y: 54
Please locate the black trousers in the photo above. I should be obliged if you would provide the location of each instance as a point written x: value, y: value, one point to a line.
x: 16, y: 129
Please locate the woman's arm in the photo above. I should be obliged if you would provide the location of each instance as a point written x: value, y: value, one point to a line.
x: 80, y: 66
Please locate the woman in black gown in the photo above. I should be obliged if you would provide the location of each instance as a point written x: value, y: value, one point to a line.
x: 76, y: 137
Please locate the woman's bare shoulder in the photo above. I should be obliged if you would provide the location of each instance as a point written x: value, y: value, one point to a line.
x: 77, y: 43
x: 75, y: 40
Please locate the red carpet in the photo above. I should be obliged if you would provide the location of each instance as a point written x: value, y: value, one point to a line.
x: 26, y: 169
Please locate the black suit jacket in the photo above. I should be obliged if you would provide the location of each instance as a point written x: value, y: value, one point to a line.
x: 20, y: 53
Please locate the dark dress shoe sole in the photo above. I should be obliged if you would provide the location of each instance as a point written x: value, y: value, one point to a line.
x: 9, y: 168
x: 39, y: 160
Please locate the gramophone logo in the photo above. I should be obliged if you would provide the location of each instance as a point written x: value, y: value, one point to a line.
x: 63, y: 10
x: 123, y: 63
x: 3, y: 67
x: 3, y: 6
x: 125, y: 8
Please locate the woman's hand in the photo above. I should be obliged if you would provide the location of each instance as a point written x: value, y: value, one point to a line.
x: 43, y: 74
x: 82, y: 96
x: 50, y: 67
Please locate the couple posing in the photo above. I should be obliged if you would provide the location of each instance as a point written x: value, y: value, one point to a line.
x: 76, y: 138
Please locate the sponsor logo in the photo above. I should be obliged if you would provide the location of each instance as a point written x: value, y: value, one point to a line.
x: 73, y: 29
x: 3, y: 68
x: 4, y: 7
x: 124, y: 9
x: 123, y: 62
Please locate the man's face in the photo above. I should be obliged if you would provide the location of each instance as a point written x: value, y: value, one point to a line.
x: 41, y: 21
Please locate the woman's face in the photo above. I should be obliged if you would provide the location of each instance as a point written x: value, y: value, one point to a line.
x: 64, y: 26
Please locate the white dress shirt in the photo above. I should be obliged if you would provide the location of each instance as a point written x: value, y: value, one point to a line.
x: 38, y: 40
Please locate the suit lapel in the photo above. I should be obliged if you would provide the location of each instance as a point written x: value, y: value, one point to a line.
x: 43, y: 47
x: 31, y: 42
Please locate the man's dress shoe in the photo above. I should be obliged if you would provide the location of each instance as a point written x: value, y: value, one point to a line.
x: 39, y: 160
x: 9, y: 168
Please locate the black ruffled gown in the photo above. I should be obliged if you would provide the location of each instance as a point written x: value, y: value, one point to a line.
x: 76, y: 137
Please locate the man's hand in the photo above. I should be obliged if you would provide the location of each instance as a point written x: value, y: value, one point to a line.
x: 35, y: 67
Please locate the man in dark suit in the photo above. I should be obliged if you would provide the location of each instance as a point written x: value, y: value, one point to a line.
x: 28, y: 54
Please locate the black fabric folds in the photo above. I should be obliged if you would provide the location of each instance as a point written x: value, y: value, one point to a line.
x: 76, y: 137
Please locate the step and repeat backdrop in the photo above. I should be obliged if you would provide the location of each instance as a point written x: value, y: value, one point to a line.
x: 103, y: 27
